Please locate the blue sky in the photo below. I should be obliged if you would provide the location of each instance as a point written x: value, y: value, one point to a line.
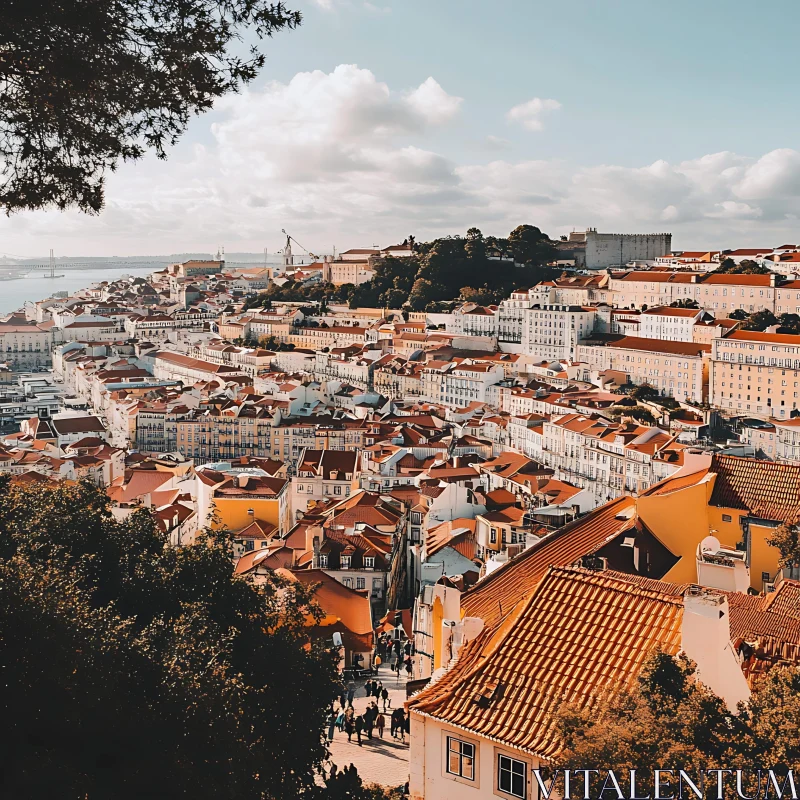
x: 379, y: 119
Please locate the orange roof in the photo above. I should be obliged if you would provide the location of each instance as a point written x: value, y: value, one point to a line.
x: 765, y: 489
x: 661, y: 346
x: 579, y: 633
x: 337, y: 601
x: 759, y: 336
x: 497, y: 594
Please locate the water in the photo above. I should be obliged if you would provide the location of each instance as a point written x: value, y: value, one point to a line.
x: 15, y: 293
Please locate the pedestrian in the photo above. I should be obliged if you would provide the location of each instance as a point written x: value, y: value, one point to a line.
x: 395, y: 720
x: 331, y: 725
x: 380, y: 724
x: 349, y: 725
x: 378, y: 661
x: 343, y: 697
x: 340, y: 720
x: 408, y: 666
x: 401, y: 724
x: 376, y: 689
x: 359, y: 725
x: 351, y: 693
x: 385, y: 697
x: 368, y: 721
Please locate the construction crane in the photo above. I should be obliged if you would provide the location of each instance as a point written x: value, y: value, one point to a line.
x: 288, y: 259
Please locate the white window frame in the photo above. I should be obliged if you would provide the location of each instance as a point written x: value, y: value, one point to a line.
x: 450, y: 740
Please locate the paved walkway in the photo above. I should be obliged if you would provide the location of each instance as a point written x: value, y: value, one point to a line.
x: 383, y: 761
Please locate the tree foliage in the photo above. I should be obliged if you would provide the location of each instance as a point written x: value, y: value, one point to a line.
x: 668, y: 719
x: 86, y: 84
x: 786, y: 538
x: 746, y: 267
x: 131, y: 669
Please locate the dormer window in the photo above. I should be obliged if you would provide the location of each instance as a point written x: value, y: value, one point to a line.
x: 323, y: 560
x: 369, y: 562
x: 345, y: 562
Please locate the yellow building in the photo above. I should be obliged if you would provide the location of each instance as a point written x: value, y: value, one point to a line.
x: 739, y: 501
x: 239, y: 500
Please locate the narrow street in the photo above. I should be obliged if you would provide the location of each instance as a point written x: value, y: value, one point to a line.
x: 382, y: 761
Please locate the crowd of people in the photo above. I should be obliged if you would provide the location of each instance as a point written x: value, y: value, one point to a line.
x: 373, y: 719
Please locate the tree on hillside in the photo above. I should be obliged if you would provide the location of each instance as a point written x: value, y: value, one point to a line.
x: 789, y: 323
x: 130, y: 669
x: 786, y: 538
x: 86, y: 84
x: 531, y: 246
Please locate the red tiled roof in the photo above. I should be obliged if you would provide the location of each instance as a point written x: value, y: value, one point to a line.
x: 497, y: 594
x: 765, y: 489
x: 578, y: 634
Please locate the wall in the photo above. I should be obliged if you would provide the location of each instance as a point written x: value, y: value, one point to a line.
x: 428, y: 778
x: 617, y: 249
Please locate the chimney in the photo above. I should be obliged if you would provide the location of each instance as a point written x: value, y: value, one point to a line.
x: 706, y: 639
x: 242, y: 481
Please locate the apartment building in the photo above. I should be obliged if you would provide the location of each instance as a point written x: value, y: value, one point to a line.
x: 552, y: 332
x: 25, y: 346
x: 756, y: 374
x: 323, y: 475
x: 457, y: 384
x: 671, y: 324
x: 169, y: 365
x: 677, y: 369
x: 318, y: 338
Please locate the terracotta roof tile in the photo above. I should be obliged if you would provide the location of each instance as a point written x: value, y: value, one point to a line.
x: 765, y: 489
x: 579, y: 633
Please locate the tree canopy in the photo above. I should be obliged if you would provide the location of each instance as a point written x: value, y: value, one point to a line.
x: 745, y: 267
x: 671, y: 720
x: 130, y: 669
x: 86, y: 84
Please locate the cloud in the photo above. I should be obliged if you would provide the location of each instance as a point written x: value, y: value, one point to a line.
x: 492, y: 142
x: 432, y: 103
x: 341, y: 158
x: 530, y: 115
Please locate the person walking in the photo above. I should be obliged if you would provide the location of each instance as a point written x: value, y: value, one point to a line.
x: 331, y: 725
x: 359, y: 725
x: 395, y: 719
x: 351, y: 693
x: 380, y: 724
x: 376, y: 689
x: 385, y: 697
x: 368, y: 721
x: 401, y: 724
x: 349, y: 724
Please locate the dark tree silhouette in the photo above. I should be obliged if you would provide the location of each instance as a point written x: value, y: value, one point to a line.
x: 86, y: 84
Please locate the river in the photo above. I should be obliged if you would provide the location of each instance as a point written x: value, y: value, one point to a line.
x: 15, y: 293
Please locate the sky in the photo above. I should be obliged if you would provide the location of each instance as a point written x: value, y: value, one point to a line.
x: 377, y: 119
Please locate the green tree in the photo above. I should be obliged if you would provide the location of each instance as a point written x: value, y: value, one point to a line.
x: 760, y: 320
x: 86, y: 84
x: 739, y: 314
x: 130, y: 668
x: 531, y: 246
x: 475, y: 247
x: 789, y: 323
x: 746, y: 267
x: 686, y: 302
x: 786, y: 538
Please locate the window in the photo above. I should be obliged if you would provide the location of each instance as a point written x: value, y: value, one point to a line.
x: 361, y: 583
x: 511, y: 776
x: 726, y: 517
x: 493, y: 536
x: 323, y: 560
x: 369, y: 562
x: 460, y: 758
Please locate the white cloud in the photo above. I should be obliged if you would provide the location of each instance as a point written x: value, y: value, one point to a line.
x: 432, y: 103
x: 341, y: 158
x: 530, y: 115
